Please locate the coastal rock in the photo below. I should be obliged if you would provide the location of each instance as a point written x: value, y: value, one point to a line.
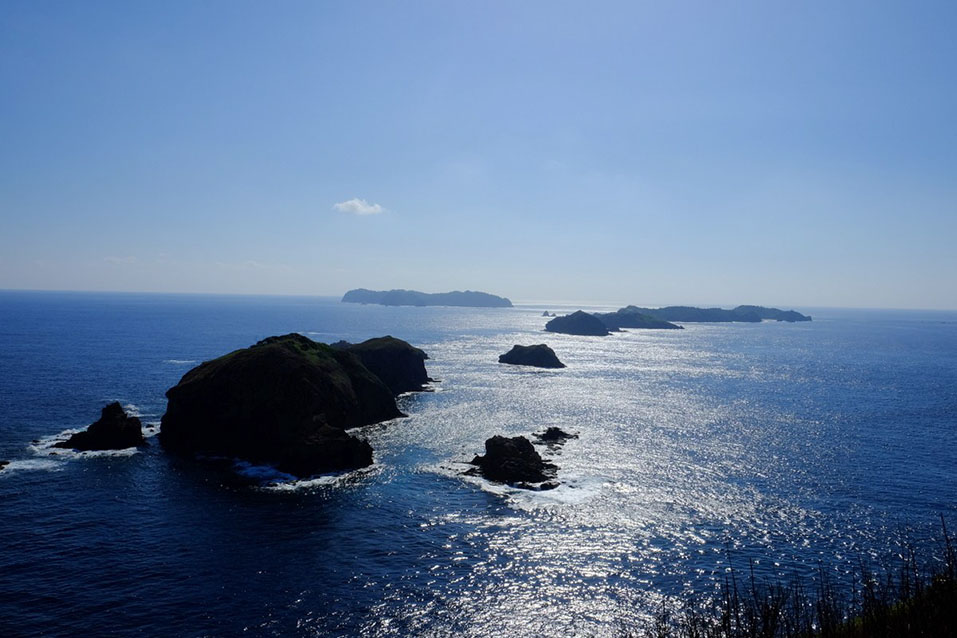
x: 578, y: 323
x: 397, y: 363
x: 554, y: 436
x: 115, y: 430
x: 540, y: 356
x: 467, y: 298
x: 513, y: 461
x: 283, y: 401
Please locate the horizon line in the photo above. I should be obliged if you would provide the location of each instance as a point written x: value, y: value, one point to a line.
x: 523, y: 302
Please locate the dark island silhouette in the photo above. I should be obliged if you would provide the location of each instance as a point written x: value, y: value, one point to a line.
x: 286, y: 401
x: 691, y: 314
x: 467, y: 298
x: 539, y: 356
x: 602, y: 323
x: 578, y: 323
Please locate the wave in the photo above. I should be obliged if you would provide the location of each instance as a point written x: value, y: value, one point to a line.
x: 180, y: 362
x: 573, y: 488
x: 46, y: 447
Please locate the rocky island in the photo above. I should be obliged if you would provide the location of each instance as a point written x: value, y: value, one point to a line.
x: 539, y: 356
x: 468, y: 298
x: 287, y: 401
x: 578, y: 323
x: 115, y: 430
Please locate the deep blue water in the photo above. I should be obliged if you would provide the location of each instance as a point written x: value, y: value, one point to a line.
x: 798, y: 446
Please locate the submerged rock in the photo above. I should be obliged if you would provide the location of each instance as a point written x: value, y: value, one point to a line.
x: 3, y: 464
x: 284, y: 401
x: 115, y: 430
x: 540, y: 356
x: 400, y: 365
x: 554, y: 436
x: 578, y: 323
x: 513, y: 461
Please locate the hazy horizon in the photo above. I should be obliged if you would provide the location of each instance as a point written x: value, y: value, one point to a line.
x: 612, y: 153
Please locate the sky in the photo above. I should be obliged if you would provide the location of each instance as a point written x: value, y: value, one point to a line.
x: 798, y: 154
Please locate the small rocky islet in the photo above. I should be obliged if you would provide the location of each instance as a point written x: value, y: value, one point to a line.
x: 514, y: 461
x: 114, y: 430
x: 538, y: 356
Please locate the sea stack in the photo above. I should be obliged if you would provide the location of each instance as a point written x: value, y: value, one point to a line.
x: 514, y: 461
x: 115, y: 430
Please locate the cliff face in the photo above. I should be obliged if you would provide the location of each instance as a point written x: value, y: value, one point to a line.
x: 398, y: 364
x: 284, y: 401
x: 468, y: 298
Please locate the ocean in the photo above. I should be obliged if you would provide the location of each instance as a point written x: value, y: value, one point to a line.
x: 796, y: 449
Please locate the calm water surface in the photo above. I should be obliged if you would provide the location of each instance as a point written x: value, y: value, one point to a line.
x: 795, y: 446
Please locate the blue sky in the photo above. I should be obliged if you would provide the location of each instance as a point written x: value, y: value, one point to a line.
x: 797, y: 154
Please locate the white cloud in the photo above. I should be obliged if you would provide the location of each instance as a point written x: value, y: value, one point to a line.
x: 358, y: 206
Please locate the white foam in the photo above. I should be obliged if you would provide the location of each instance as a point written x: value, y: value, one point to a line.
x: 49, y: 465
x: 263, y: 473
x: 181, y: 362
x: 132, y: 409
x: 572, y: 489
x: 341, y: 478
x: 46, y: 446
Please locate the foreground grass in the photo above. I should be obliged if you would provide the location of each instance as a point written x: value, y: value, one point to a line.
x: 906, y: 600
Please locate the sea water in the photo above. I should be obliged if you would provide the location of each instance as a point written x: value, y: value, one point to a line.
x: 795, y: 449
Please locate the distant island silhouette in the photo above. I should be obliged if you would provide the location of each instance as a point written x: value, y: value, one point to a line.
x: 468, y: 298
x: 690, y: 314
x: 601, y: 323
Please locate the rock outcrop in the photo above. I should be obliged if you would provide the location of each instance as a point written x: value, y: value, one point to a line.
x: 115, y: 430
x: 398, y: 364
x: 284, y: 401
x: 540, y: 356
x: 467, y: 298
x: 554, y: 436
x: 513, y: 461
x: 578, y: 323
